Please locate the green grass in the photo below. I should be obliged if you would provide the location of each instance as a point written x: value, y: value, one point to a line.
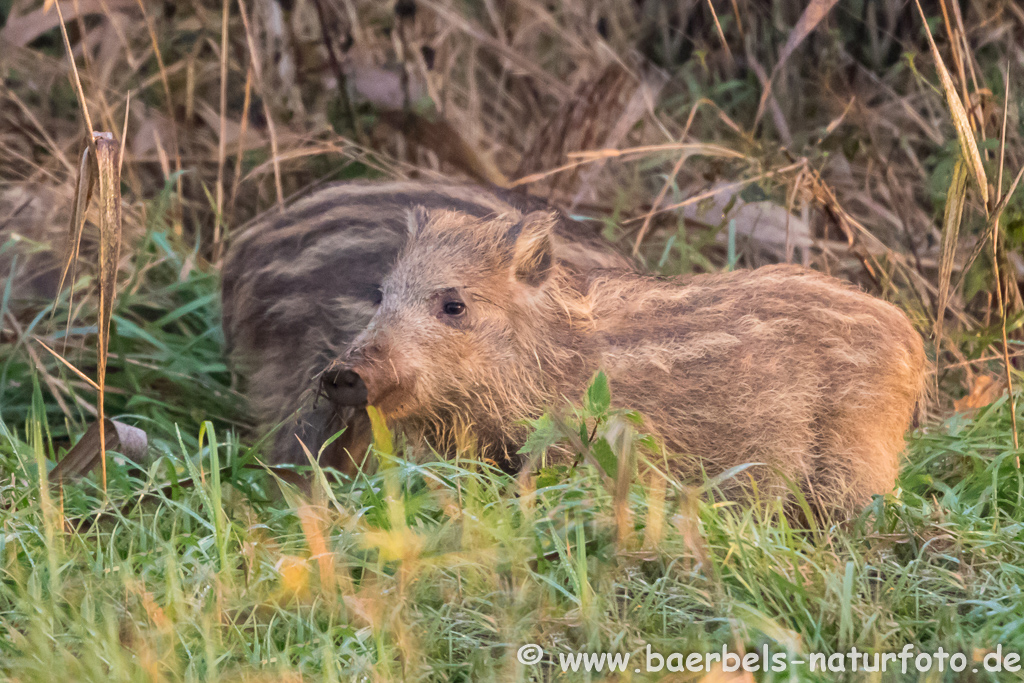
x: 441, y: 571
x: 166, y: 364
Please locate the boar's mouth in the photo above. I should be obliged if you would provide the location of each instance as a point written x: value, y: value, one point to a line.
x: 343, y: 387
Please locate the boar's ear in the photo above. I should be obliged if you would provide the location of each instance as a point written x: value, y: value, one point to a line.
x: 415, y: 220
x: 533, y: 255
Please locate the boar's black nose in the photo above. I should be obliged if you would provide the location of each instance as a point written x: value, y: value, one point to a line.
x: 343, y: 387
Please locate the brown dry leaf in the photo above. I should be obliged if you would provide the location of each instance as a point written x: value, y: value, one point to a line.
x: 384, y: 88
x: 31, y: 216
x: 130, y: 441
x: 83, y: 192
x: 984, y: 390
x: 108, y: 173
x: 968, y: 146
x: 764, y: 222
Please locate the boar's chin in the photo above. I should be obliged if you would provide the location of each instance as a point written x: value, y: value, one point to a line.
x: 395, y: 402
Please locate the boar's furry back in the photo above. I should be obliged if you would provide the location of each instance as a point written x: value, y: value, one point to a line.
x: 780, y: 365
x: 298, y: 285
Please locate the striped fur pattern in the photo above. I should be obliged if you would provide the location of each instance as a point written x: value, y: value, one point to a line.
x: 479, y: 329
x: 301, y: 284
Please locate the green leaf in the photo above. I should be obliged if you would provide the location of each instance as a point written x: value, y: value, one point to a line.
x: 604, y: 455
x: 551, y: 476
x: 598, y: 397
x: 544, y: 435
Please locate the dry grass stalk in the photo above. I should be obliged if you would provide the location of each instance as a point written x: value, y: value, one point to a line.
x: 964, y: 132
x: 242, y: 129
x: 993, y: 229
x: 108, y: 176
x: 950, y: 232
x: 222, y: 142
x: 654, y: 525
x: 175, y: 139
x: 671, y: 176
x: 100, y: 168
x: 258, y: 79
x: 721, y: 34
x: 84, y: 377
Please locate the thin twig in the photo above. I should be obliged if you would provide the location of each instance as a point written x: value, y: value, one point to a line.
x: 172, y: 119
x: 71, y: 367
x: 258, y: 78
x: 721, y: 34
x: 78, y: 81
x: 1002, y: 132
x: 718, y: 190
x: 671, y: 177
x: 995, y: 268
x: 1006, y: 345
x: 222, y: 142
x: 243, y: 128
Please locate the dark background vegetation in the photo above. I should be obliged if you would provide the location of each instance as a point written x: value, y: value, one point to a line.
x: 702, y: 135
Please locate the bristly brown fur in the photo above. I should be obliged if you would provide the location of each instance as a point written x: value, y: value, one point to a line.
x: 781, y: 365
x: 301, y: 284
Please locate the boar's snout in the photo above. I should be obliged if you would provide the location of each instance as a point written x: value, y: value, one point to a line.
x: 343, y: 386
x: 372, y: 377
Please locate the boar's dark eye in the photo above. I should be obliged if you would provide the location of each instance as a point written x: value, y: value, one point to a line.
x: 454, y: 308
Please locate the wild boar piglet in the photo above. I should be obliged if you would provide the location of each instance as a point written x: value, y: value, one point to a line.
x: 300, y: 284
x: 480, y: 328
